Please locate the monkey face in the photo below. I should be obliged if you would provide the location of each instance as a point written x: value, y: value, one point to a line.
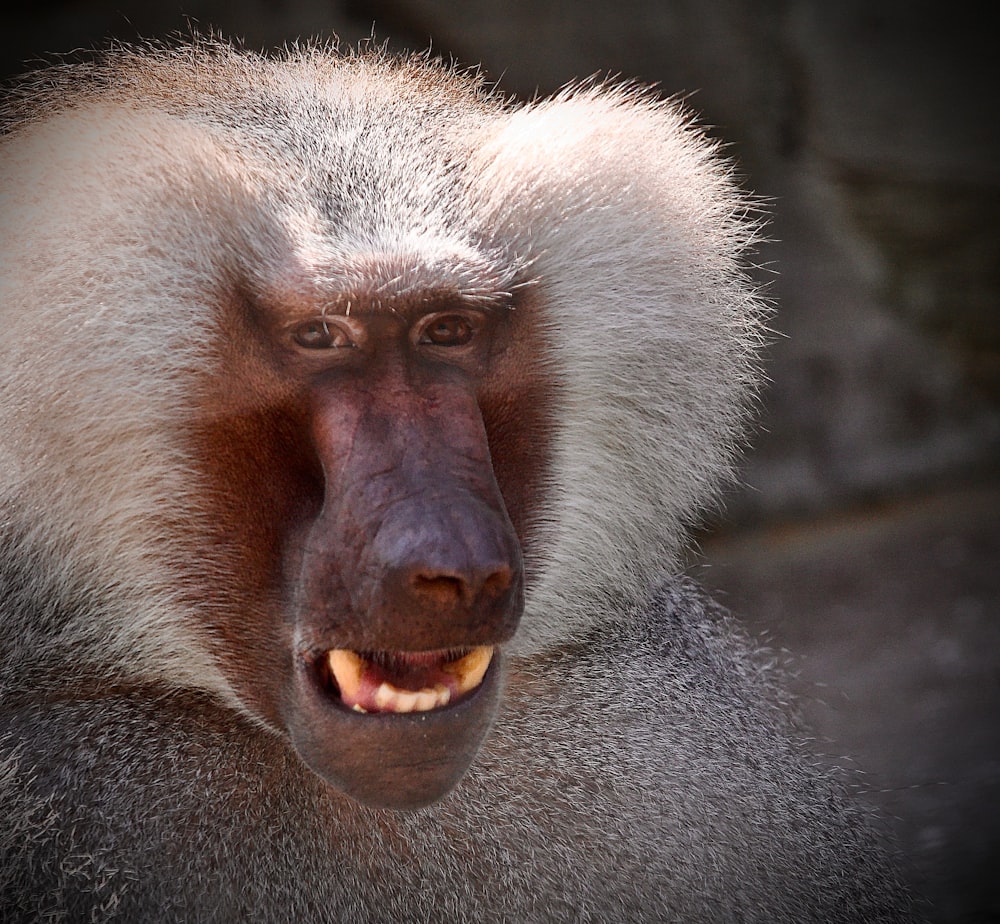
x: 381, y: 553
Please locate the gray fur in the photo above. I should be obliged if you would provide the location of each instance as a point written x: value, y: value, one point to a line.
x: 641, y: 767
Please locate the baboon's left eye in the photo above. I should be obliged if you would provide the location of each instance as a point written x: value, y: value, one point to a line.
x: 447, y: 330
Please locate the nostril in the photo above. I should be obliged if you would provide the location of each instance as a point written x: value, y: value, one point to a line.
x: 440, y: 590
x: 497, y: 583
x: 449, y: 590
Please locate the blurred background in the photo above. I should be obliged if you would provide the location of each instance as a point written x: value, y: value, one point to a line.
x: 866, y: 537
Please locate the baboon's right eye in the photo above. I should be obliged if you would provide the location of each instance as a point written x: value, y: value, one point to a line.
x: 321, y: 334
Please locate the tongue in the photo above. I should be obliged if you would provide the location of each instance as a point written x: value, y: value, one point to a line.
x: 406, y: 681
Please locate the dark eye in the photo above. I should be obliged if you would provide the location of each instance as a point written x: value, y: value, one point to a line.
x: 321, y: 334
x: 448, y: 330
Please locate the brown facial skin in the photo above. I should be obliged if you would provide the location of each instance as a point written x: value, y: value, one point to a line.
x: 363, y: 466
x: 412, y: 510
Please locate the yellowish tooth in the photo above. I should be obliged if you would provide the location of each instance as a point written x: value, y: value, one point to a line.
x: 425, y: 700
x: 470, y: 670
x: 384, y: 695
x: 357, y: 707
x: 405, y: 701
x: 346, y: 667
x: 443, y: 694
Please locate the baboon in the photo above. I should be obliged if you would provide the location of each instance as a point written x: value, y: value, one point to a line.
x: 352, y: 419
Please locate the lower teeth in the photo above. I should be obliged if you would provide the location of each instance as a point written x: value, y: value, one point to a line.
x: 348, y: 667
x: 391, y: 699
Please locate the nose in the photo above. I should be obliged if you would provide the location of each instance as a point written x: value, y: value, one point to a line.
x: 446, y: 574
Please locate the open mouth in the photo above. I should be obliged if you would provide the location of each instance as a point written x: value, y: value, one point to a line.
x: 406, y: 681
x: 393, y: 729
